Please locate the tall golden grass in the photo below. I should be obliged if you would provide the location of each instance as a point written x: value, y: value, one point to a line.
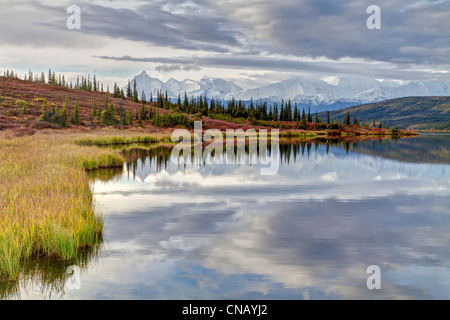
x: 46, y: 202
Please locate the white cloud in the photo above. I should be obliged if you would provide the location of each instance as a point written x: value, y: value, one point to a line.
x: 330, y: 176
x: 229, y: 38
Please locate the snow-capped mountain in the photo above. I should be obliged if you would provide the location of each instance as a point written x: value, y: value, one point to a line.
x: 321, y: 95
x: 211, y: 88
x: 316, y: 94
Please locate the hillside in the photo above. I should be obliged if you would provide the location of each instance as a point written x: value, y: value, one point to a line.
x: 15, y: 93
x: 27, y: 106
x: 418, y: 113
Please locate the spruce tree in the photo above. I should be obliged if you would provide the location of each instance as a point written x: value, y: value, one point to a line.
x: 95, y: 84
x: 303, y: 125
x: 347, y: 119
x: 296, y: 113
x: 44, y: 112
x: 135, y: 93
x: 75, y: 119
x: 143, y: 112
x: 129, y: 90
x: 24, y: 108
x: 309, y: 118
x: 112, y: 115
x: 64, y: 116
x: 289, y: 111
x: 186, y: 102
x: 49, y: 78
x: 104, y: 117
x: 99, y: 114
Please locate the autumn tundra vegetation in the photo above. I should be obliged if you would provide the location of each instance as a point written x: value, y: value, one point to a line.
x: 50, y: 130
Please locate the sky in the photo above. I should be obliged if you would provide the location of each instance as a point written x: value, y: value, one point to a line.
x: 249, y: 42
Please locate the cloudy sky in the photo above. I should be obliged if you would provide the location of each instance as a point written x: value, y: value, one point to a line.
x: 251, y: 42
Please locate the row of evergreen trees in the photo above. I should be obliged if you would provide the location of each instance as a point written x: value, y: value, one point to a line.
x: 52, y: 113
x: 257, y: 113
x: 108, y: 114
x: 234, y: 109
x: 111, y: 116
x: 10, y: 74
x: 89, y: 84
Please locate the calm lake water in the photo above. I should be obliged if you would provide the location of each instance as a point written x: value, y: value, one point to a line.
x: 308, y: 232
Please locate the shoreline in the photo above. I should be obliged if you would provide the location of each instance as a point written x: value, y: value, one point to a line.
x: 47, y: 207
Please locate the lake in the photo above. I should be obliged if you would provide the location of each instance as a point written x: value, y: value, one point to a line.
x: 310, y: 231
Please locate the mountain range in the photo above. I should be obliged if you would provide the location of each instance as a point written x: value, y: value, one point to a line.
x: 319, y: 95
x: 212, y: 88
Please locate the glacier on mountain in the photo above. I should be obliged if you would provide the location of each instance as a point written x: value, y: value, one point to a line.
x: 318, y: 95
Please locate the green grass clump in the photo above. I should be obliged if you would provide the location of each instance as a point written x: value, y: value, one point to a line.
x: 46, y: 202
x: 11, y: 248
x: 118, y: 140
x: 103, y: 161
x: 298, y: 134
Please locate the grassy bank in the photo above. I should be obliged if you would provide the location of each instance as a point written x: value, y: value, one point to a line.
x: 46, y: 203
x: 117, y: 140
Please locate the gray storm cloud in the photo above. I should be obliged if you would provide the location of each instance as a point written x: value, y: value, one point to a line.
x: 301, y: 28
x: 271, y: 35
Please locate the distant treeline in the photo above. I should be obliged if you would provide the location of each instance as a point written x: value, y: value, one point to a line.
x: 257, y: 113
x: 89, y: 84
x: 260, y: 113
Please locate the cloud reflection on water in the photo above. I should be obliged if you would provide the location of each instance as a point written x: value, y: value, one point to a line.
x: 227, y: 232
